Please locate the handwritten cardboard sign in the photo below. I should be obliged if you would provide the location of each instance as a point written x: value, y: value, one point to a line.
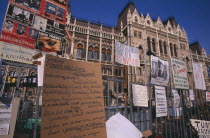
x: 72, y: 104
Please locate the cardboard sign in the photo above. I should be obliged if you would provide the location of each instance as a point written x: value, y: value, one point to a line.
x: 179, y: 71
x: 161, y: 103
x: 140, y: 96
x: 159, y: 71
x: 72, y: 99
x: 203, y: 127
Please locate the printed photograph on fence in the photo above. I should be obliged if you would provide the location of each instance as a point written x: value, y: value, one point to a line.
x: 198, y: 76
x: 54, y: 12
x: 20, y: 15
x: 8, y: 25
x: 179, y: 71
x: 159, y: 71
x: 49, y: 43
x: 161, y: 102
x: 126, y: 55
x: 32, y: 4
x: 61, y: 2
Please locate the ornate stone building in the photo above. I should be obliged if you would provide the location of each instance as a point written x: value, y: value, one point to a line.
x: 94, y: 42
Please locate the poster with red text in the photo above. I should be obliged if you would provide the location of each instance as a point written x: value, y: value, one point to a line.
x: 19, y: 34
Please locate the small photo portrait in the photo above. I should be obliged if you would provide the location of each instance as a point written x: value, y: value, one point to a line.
x: 56, y: 25
x: 33, y: 33
x: 8, y: 25
x: 21, y: 29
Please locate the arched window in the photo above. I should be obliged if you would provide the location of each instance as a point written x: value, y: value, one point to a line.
x: 108, y: 55
x: 171, y: 49
x: 148, y: 43
x: 160, y: 45
x: 136, y: 19
x: 79, y: 50
x: 165, y: 47
x: 90, y: 52
x: 153, y: 45
x: 103, y: 54
x: 141, y: 53
x: 96, y: 53
x: 175, y: 52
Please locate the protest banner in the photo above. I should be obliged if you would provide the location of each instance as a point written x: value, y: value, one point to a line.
x: 73, y: 105
x: 179, y: 71
x: 203, y: 127
x: 126, y: 55
x: 161, y: 103
x: 198, y: 76
x: 159, y: 71
x: 140, y: 96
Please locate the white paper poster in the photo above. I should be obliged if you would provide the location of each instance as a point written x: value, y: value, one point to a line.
x: 208, y: 96
x: 16, y: 53
x: 179, y: 71
x: 161, y: 103
x: 126, y: 55
x: 176, y: 98
x: 192, y: 97
x: 159, y: 71
x: 5, y: 115
x: 203, y: 127
x: 198, y: 76
x: 40, y: 70
x: 140, y: 96
x: 120, y: 127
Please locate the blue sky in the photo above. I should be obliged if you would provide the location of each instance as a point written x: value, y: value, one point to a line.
x: 192, y: 15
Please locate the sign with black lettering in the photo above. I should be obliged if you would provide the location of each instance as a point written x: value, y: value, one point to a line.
x: 203, y: 127
x: 72, y: 106
x: 161, y: 102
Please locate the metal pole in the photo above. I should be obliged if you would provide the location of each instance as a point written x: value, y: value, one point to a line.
x: 36, y: 111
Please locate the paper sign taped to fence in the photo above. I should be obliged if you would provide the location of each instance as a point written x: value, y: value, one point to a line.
x: 126, y: 55
x: 208, y: 96
x: 198, y: 76
x: 159, y: 71
x: 140, y: 97
x: 72, y: 99
x: 192, y: 97
x: 120, y: 127
x: 179, y: 71
x: 203, y: 127
x: 5, y: 115
x: 161, y: 103
x: 176, y: 98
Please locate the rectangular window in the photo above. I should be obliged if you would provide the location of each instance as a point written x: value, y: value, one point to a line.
x: 135, y: 33
x: 140, y: 35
